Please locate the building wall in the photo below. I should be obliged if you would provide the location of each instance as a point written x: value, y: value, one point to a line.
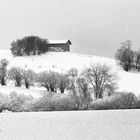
x: 63, y: 47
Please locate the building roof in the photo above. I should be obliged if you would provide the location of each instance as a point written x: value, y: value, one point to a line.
x: 59, y: 41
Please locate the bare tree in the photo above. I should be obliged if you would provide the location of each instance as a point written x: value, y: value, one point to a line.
x: 100, y: 78
x: 84, y: 93
x: 125, y: 55
x: 63, y: 82
x: 3, y: 71
x: 137, y: 60
x: 73, y: 72
x: 28, y: 77
x: 16, y: 74
x: 73, y: 75
x: 48, y: 80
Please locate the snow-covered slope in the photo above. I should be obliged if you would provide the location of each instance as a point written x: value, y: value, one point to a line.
x: 63, y: 61
x: 71, y: 125
x: 32, y: 92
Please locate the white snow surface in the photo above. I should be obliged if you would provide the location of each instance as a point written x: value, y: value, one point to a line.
x: 71, y: 125
x: 63, y: 61
x: 7, y: 90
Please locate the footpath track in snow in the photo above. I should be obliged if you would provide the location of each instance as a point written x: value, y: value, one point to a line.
x: 81, y: 125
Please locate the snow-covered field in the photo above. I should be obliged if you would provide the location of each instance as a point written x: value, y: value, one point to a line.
x: 81, y: 125
x: 63, y: 61
x: 32, y: 92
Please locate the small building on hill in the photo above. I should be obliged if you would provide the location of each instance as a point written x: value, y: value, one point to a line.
x: 59, y: 45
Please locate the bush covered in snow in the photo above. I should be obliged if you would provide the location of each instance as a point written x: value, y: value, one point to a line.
x: 15, y: 102
x: 116, y: 101
x: 18, y: 102
x: 4, y: 100
x: 60, y: 102
x: 52, y: 102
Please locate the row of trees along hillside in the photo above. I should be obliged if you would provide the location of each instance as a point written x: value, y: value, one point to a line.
x: 127, y: 57
x: 95, y: 79
x: 29, y: 45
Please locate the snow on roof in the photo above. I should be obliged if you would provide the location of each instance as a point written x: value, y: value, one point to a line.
x: 59, y: 41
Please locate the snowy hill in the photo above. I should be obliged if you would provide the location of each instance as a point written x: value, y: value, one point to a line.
x: 63, y: 61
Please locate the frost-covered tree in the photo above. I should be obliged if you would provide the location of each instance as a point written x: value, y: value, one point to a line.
x: 100, y: 78
x: 137, y: 60
x: 48, y: 80
x: 15, y: 74
x: 125, y: 55
x: 63, y: 82
x: 28, y: 78
x: 42, y: 80
x: 83, y: 92
x: 3, y: 71
x: 73, y: 72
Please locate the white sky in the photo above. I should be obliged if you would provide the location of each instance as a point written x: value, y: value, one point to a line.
x: 94, y: 26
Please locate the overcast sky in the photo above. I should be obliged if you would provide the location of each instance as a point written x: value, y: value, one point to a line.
x: 94, y: 26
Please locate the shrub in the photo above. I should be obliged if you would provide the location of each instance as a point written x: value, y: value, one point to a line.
x: 3, y: 102
x: 103, y: 104
x: 137, y: 104
x: 125, y: 100
x: 44, y: 103
x: 19, y: 102
x: 53, y: 102
x: 63, y: 103
x: 117, y: 101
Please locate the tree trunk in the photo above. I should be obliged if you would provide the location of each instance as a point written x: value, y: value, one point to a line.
x: 27, y: 85
x: 52, y: 88
x: 126, y: 68
x: 18, y: 83
x: 3, y: 81
x: 100, y: 95
x: 62, y: 90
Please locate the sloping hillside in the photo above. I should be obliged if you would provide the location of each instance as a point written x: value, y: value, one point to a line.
x: 63, y: 61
